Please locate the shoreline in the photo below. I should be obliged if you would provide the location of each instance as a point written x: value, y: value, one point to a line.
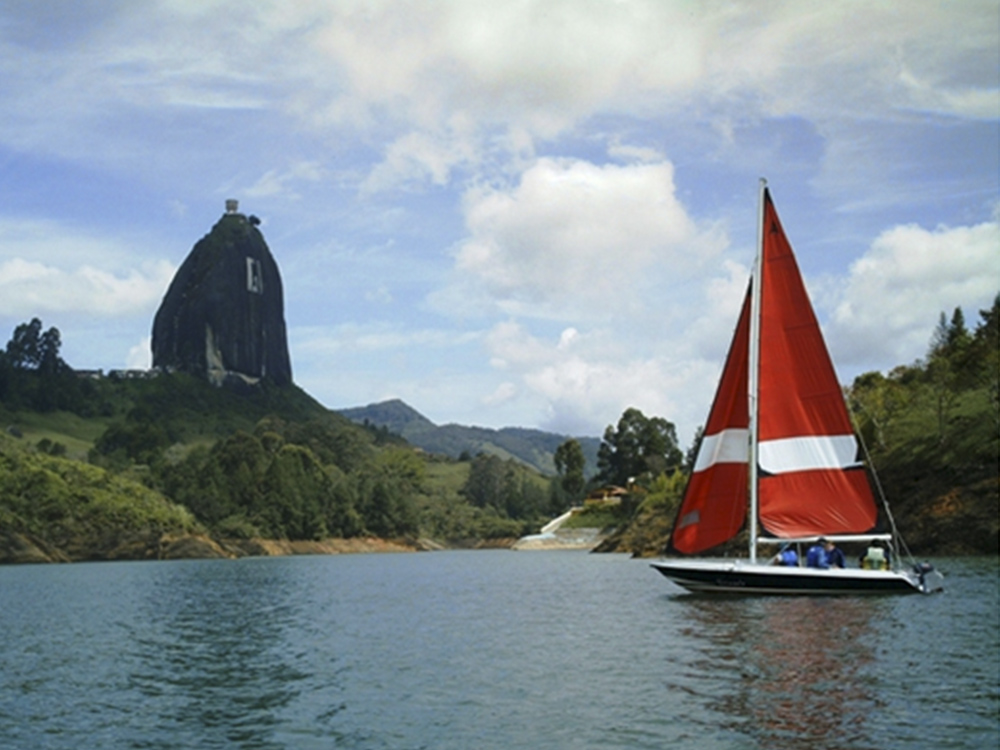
x: 25, y: 549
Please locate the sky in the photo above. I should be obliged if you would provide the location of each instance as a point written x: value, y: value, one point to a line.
x: 531, y: 213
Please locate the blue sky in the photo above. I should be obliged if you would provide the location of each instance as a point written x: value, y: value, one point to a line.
x: 532, y: 213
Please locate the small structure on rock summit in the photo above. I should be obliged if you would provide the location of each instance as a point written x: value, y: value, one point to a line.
x: 223, y: 316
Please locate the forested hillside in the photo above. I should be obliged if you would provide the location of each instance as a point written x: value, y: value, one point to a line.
x: 932, y: 429
x: 268, y: 462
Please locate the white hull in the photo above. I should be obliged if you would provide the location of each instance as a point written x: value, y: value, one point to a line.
x: 742, y: 577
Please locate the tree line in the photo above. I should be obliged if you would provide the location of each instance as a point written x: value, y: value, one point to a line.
x: 34, y: 376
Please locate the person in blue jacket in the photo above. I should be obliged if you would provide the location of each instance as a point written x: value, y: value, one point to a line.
x: 825, y: 554
x: 787, y: 556
x: 816, y: 557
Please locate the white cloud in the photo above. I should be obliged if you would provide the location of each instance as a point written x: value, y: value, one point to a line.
x: 584, y: 381
x: 889, y: 305
x: 434, y: 85
x: 140, y: 356
x: 353, y: 338
x: 543, y: 68
x: 379, y: 294
x: 626, y: 152
x: 281, y: 182
x: 72, y: 271
x: 27, y: 285
x: 418, y: 157
x: 550, y: 62
x: 577, y: 239
x: 504, y: 393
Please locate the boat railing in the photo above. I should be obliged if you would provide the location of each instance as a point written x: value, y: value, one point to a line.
x: 885, y: 537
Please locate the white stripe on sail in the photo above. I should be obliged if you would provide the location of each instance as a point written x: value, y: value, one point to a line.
x: 807, y: 453
x: 726, y: 447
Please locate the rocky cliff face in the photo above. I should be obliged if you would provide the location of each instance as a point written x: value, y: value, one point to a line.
x: 223, y: 315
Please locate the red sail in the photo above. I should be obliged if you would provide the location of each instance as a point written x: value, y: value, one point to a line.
x: 715, y: 502
x: 810, y: 481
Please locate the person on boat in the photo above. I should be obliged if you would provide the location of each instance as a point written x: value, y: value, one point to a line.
x: 816, y: 556
x: 787, y: 556
x: 825, y: 554
x: 876, y: 557
x: 835, y: 556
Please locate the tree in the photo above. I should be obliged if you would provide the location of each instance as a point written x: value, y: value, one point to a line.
x: 570, y: 462
x: 958, y: 335
x: 32, y: 375
x: 24, y: 347
x: 504, y: 487
x: 294, y: 491
x: 387, y: 485
x: 484, y: 487
x: 876, y: 401
x: 985, y: 351
x: 49, y: 361
x: 948, y: 366
x: 939, y: 339
x: 640, y: 448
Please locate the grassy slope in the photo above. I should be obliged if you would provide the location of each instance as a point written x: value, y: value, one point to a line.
x: 81, y: 511
x: 76, y: 433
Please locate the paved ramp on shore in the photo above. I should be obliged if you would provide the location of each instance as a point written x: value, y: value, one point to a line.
x: 554, y: 536
x: 584, y: 539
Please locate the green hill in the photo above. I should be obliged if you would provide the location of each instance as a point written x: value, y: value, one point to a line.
x: 259, y: 463
x: 63, y: 509
x: 534, y: 448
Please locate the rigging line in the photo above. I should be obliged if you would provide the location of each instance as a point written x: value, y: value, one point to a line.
x: 897, y: 539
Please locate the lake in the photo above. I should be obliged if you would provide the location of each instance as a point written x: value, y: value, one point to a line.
x: 483, y: 649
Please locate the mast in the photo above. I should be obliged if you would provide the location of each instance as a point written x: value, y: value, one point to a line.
x: 753, y: 376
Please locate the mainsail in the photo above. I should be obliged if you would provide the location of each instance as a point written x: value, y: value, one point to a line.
x: 810, y: 481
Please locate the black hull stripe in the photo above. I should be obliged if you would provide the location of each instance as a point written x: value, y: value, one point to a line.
x: 749, y: 582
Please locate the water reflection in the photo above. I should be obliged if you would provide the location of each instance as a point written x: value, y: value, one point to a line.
x: 789, y: 672
x: 220, y: 666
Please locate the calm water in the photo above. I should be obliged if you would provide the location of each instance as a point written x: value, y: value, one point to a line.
x: 482, y: 650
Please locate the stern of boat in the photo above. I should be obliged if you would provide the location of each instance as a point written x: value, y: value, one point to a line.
x: 929, y: 578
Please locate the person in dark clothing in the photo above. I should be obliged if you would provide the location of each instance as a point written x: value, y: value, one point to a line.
x: 835, y: 556
x: 825, y: 554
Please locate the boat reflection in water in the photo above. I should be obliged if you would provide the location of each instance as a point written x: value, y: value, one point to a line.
x: 797, y: 672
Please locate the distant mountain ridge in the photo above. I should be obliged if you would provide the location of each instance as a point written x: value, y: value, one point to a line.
x: 532, y: 447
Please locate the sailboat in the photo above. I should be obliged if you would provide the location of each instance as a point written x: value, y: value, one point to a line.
x: 779, y: 455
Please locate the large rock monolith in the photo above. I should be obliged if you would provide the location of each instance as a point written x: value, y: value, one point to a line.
x: 223, y: 316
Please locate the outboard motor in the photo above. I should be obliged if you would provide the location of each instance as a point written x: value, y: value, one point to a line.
x: 930, y: 579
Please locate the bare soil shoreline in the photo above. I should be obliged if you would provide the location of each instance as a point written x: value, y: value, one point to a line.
x: 17, y: 548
